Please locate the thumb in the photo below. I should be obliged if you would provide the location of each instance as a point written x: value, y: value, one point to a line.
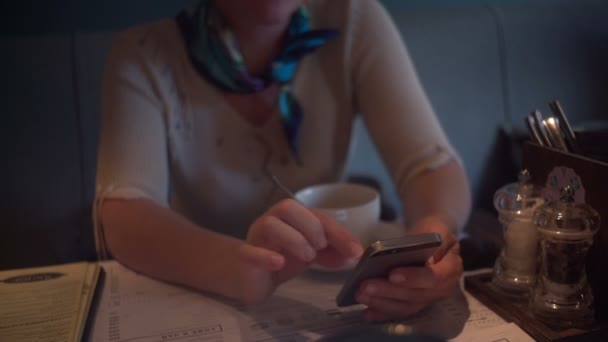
x: 448, y: 245
x: 434, y: 224
x: 261, y: 257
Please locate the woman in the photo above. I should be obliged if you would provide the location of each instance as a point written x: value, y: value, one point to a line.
x: 198, y: 112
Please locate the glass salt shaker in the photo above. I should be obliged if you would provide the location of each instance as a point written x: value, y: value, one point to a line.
x: 562, y: 296
x: 516, y: 266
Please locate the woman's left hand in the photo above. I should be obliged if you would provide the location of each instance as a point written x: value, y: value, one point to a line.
x: 410, y: 289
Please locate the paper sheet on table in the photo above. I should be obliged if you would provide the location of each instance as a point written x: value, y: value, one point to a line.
x: 135, y: 308
x: 508, y: 332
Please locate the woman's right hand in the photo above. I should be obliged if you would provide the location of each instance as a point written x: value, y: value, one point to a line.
x: 284, y: 241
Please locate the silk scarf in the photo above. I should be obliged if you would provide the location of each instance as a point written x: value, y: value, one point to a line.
x: 215, y: 53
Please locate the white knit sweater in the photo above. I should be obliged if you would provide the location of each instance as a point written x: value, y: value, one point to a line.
x: 169, y: 135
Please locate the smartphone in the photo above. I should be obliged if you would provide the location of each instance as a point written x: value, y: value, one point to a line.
x: 384, y: 255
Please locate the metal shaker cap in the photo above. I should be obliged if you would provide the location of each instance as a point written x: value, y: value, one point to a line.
x: 565, y: 219
x: 519, y: 198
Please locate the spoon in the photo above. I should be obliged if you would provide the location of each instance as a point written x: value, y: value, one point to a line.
x: 288, y: 192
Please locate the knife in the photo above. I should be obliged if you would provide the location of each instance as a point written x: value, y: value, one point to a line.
x: 552, y: 125
x: 533, y: 131
x: 538, y: 120
x: 558, y: 111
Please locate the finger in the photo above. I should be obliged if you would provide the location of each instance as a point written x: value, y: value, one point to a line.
x: 384, y: 289
x: 388, y: 307
x: 449, y: 269
x: 413, y: 277
x: 449, y: 244
x: 442, y: 274
x: 303, y: 220
x: 433, y: 224
x: 339, y: 238
x: 261, y: 257
x: 274, y: 232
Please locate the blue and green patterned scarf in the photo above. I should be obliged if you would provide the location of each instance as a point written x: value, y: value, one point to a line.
x: 215, y: 53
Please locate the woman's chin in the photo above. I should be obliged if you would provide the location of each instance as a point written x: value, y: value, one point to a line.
x: 271, y: 15
x: 260, y: 12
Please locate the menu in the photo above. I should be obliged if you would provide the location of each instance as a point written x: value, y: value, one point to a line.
x: 46, y: 303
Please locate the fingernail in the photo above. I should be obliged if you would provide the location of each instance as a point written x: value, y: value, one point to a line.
x: 431, y: 260
x: 309, y: 253
x: 321, y: 244
x: 276, y: 260
x: 370, y: 289
x: 355, y: 249
x: 397, y: 278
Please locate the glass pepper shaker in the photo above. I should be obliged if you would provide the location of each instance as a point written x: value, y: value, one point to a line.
x: 516, y: 266
x: 562, y: 296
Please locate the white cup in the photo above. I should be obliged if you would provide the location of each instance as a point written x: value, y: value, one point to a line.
x: 355, y: 206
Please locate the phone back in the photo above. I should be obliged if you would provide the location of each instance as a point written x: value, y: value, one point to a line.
x: 383, y: 256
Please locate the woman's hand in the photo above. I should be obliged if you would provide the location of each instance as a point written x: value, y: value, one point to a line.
x: 411, y: 289
x: 285, y: 241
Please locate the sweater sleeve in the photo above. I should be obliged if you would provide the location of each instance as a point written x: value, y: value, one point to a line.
x: 390, y: 98
x: 132, y: 155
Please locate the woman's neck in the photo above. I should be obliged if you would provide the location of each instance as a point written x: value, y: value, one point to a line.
x: 260, y: 44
